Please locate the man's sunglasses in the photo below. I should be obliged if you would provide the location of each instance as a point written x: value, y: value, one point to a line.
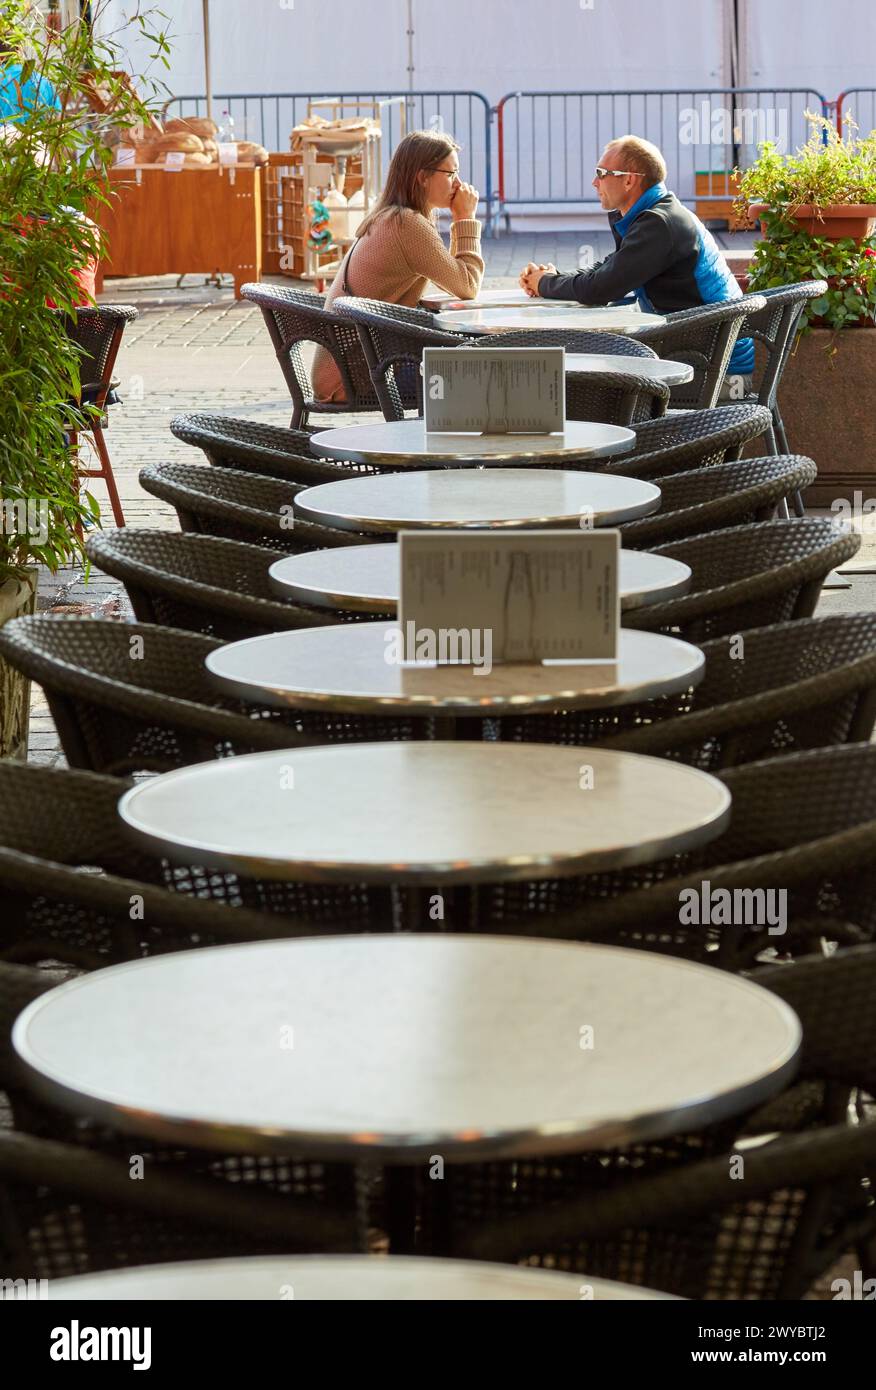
x: 619, y: 173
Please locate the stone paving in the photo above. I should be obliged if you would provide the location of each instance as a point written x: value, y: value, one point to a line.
x: 196, y: 348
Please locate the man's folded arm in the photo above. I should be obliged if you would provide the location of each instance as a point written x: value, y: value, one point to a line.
x: 644, y: 252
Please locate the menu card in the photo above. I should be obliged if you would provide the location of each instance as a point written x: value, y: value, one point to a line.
x: 495, y: 390
x: 528, y: 595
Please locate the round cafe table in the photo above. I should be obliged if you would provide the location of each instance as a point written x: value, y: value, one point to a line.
x: 603, y: 320
x: 365, y: 578
x: 413, y: 813
x: 403, y: 1047
x: 333, y: 1278
x: 492, y: 498
x: 345, y: 667
x: 405, y: 443
x: 652, y: 368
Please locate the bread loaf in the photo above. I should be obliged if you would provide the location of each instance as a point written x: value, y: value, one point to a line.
x: 190, y: 161
x: 201, y: 126
x: 211, y: 148
x: 247, y: 152
x: 179, y: 140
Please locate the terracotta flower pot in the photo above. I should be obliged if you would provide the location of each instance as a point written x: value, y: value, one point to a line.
x: 835, y: 222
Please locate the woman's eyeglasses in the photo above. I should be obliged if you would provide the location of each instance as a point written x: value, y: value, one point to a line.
x: 436, y: 169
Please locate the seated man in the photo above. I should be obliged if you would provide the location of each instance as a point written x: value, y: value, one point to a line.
x: 665, y: 256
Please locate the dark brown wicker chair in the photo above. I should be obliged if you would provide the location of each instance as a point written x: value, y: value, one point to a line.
x: 694, y: 1229
x: 803, y: 825
x: 72, y: 1208
x: 689, y: 439
x: 253, y: 447
x: 97, y: 332
x: 74, y: 888
x: 294, y: 317
x: 705, y: 338
x: 135, y: 697
x: 392, y: 338
x: 809, y: 683
x: 239, y: 506
x: 720, y: 495
x: 200, y: 583
x: 748, y: 576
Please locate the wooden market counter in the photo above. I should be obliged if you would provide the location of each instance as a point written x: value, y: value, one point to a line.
x: 163, y: 222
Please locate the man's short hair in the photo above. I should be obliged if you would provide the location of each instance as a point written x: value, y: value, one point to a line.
x: 639, y: 157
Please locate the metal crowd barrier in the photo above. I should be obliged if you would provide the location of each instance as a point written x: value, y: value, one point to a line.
x: 860, y: 102
x: 268, y: 117
x: 549, y: 142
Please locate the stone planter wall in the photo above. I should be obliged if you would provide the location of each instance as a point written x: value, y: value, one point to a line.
x: 828, y: 405
x: 16, y: 598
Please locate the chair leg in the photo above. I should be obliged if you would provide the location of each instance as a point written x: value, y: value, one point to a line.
x: 781, y: 436
x: 106, y: 472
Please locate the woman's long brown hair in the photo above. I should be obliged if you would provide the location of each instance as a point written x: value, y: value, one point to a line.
x: 417, y: 152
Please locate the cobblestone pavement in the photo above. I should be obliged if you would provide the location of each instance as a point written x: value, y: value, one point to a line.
x: 196, y: 348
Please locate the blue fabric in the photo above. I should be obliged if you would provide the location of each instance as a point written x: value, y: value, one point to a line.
x: 36, y: 91
x: 713, y: 276
x: 716, y: 284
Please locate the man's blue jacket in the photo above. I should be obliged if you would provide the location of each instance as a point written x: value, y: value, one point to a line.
x: 666, y: 258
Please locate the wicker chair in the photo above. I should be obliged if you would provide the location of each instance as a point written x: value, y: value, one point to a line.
x: 68, y: 1208
x: 803, y: 824
x: 720, y: 495
x: 572, y: 339
x: 294, y: 317
x: 808, y: 683
x: 748, y: 576
x: 200, y: 583
x: 393, y: 338
x: 97, y: 332
x: 689, y: 439
x: 705, y: 338
x: 775, y: 329
x: 239, y: 506
x: 75, y: 888
x: 266, y: 449
x: 133, y: 697
x: 689, y: 1228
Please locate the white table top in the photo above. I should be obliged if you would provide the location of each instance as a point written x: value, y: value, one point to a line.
x: 365, y: 578
x: 349, y: 1278
x: 492, y: 498
x: 439, y: 301
x: 406, y: 1046
x: 654, y: 368
x: 547, y: 315
x: 401, y: 442
x: 344, y: 667
x: 420, y: 812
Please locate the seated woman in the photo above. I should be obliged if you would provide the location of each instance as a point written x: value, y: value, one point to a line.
x: 399, y: 249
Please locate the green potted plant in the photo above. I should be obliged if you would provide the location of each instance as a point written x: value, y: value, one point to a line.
x: 54, y: 158
x: 816, y: 209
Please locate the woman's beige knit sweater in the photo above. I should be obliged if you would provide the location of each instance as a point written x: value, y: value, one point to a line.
x: 394, y: 262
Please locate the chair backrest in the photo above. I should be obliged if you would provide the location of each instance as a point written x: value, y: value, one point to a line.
x: 686, y: 439
x: 767, y: 692
x: 294, y: 317
x: 240, y: 506
x: 572, y: 339
x: 748, y: 576
x: 703, y: 337
x: 199, y: 583
x: 253, y: 447
x: 97, y: 332
x: 393, y: 337
x: 720, y: 495
x: 135, y: 697
x: 775, y: 328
